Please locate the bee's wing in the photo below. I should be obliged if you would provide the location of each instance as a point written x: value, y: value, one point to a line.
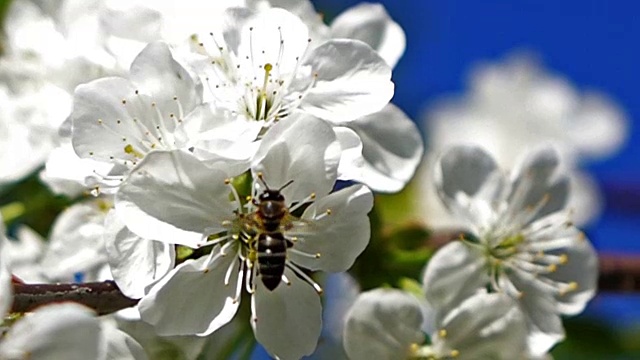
x: 295, y: 226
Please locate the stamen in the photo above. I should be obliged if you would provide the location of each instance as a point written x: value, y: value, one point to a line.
x: 214, y: 241
x: 227, y: 275
x: 236, y: 197
x: 306, y: 200
x: 236, y: 298
x: 285, y: 280
x: 304, y: 254
x: 323, y: 215
x: 305, y: 277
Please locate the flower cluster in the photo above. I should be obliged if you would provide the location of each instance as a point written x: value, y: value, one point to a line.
x: 222, y: 156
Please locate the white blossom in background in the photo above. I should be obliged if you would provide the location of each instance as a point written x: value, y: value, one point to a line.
x: 48, y: 51
x: 58, y: 331
x: 24, y: 253
x: 130, y: 25
x: 28, y: 128
x: 522, y: 241
x: 516, y: 104
x: 173, y: 197
x: 387, y: 324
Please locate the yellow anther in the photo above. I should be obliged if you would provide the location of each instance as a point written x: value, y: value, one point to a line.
x: 442, y: 333
x: 552, y: 268
x: 268, y: 67
x: 317, y: 255
x: 129, y: 149
x: 563, y: 259
x: 227, y: 181
x: 455, y: 353
x: 573, y: 286
x: 328, y: 211
x: 414, y: 348
x: 313, y: 196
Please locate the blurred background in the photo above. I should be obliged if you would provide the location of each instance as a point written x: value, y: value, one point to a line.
x: 594, y: 45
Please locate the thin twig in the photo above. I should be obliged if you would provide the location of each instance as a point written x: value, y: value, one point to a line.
x: 104, y: 297
x: 618, y: 273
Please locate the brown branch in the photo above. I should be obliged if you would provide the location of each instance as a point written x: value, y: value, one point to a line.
x: 103, y: 297
x: 618, y: 273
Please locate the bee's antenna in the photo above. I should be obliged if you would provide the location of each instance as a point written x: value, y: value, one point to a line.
x: 285, y: 185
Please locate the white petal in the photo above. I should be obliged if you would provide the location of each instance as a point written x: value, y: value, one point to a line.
x: 173, y: 197
x: 121, y: 346
x: 357, y: 85
x: 287, y: 321
x: 102, y: 100
x: 454, y: 273
x: 300, y: 148
x: 156, y: 73
x: 540, y: 177
x: 484, y: 326
x: 469, y: 183
x: 210, y: 123
x: 600, y: 127
x: 371, y: 24
x: 338, y: 237
x: 352, y: 162
x: 382, y: 324
x: 66, y: 173
x: 135, y: 262
x: 193, y: 298
x: 6, y: 289
x: 76, y: 243
x: 261, y: 40
x: 60, y: 331
x: 540, y: 308
x: 392, y: 148
x: 582, y: 269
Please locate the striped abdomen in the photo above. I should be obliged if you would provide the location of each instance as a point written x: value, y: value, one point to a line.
x: 272, y: 254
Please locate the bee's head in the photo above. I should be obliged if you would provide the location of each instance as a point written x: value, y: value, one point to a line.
x: 271, y: 195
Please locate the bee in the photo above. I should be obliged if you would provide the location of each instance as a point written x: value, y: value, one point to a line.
x: 268, y: 223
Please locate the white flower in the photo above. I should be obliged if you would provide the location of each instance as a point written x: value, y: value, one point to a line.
x: 265, y: 67
x: 76, y: 244
x: 386, y: 324
x: 120, y: 120
x: 391, y: 143
x: 261, y: 66
x: 518, y: 104
x: 66, y: 331
x: 522, y: 243
x: 174, y: 198
x: 130, y: 25
x: 367, y: 22
x: 28, y: 127
x: 24, y: 252
x: 58, y: 331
